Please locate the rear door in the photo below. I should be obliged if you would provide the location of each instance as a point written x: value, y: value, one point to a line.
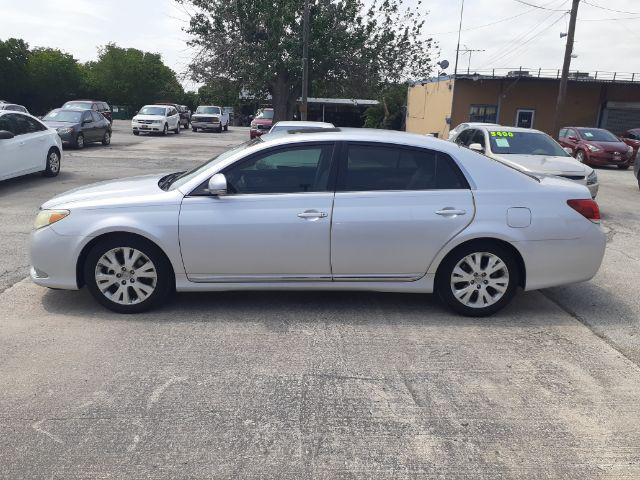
x: 394, y: 209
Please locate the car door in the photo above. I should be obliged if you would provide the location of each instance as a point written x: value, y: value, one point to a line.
x: 175, y: 117
x: 273, y: 225
x: 88, y: 127
x: 11, y: 152
x: 395, y: 207
x: 32, y: 142
x: 100, y: 125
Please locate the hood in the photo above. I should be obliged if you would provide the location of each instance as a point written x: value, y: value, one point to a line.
x: 611, y: 147
x: 149, y: 117
x: 53, y: 124
x: 543, y: 164
x: 262, y: 121
x: 125, y: 191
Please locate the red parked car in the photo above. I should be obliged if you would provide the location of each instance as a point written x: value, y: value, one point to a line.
x: 632, y: 138
x: 596, y: 146
x: 262, y: 122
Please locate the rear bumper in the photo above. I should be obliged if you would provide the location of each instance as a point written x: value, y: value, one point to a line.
x: 550, y: 263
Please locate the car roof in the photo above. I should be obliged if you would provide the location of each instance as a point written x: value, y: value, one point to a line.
x: 84, y: 100
x: 504, y: 128
x: 301, y: 123
x: 216, y: 106
x: 74, y: 109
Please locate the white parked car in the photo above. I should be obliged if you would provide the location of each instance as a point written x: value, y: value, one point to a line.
x: 298, y: 126
x: 338, y: 210
x: 156, y: 119
x: 210, y: 117
x: 13, y: 107
x: 27, y: 146
x: 530, y: 150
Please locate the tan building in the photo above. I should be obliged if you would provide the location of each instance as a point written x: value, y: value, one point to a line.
x: 523, y: 99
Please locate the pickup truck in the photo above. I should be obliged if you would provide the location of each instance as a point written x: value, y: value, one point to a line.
x: 209, y: 117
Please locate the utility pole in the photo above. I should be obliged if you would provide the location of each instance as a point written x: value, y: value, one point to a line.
x: 562, y: 91
x: 455, y: 68
x: 305, y: 61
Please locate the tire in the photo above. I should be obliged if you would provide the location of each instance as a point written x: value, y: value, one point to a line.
x: 141, y: 290
x: 52, y: 164
x: 496, y: 289
x: 165, y: 129
x: 219, y: 130
x: 106, y: 140
x: 226, y: 127
x: 194, y: 129
x: 136, y: 132
x: 580, y: 156
x: 177, y: 130
x: 80, y: 141
x: 623, y: 167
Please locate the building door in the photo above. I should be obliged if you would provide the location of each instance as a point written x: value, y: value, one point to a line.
x: 525, y: 117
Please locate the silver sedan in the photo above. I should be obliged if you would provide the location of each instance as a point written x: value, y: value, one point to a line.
x: 337, y: 210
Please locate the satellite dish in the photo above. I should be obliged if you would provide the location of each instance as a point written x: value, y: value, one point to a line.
x: 444, y: 64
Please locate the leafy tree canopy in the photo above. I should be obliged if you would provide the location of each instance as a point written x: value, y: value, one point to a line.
x: 353, y: 48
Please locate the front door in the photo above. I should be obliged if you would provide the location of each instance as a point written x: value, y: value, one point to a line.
x: 273, y: 225
x: 394, y: 209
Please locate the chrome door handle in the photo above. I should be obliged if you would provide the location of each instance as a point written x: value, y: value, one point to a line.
x: 450, y: 212
x: 312, y: 214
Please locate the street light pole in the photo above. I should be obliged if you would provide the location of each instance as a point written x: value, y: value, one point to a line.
x: 562, y: 91
x: 305, y: 60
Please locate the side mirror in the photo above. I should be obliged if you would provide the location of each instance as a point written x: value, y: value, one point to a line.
x: 218, y: 185
x: 476, y: 147
x: 568, y: 150
x: 84, y: 122
x: 6, y: 135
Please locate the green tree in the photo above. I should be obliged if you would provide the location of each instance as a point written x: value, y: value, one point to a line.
x: 127, y: 76
x: 353, y: 48
x: 389, y: 113
x: 220, y: 91
x: 53, y: 78
x: 14, y: 54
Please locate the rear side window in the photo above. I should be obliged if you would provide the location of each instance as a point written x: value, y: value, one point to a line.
x: 26, y: 124
x: 563, y: 133
x: 8, y: 123
x: 388, y: 167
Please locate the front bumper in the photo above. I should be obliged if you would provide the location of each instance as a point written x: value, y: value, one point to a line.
x: 205, y: 125
x: 604, y: 159
x: 146, y: 127
x: 53, y: 262
x: 68, y: 138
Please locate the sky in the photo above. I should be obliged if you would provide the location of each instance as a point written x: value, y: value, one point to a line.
x: 510, y: 33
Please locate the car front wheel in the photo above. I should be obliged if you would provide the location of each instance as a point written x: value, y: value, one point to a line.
x: 165, y: 129
x: 106, y: 140
x: 80, y: 141
x: 127, y: 274
x: 580, y: 156
x: 478, y: 279
x: 52, y: 167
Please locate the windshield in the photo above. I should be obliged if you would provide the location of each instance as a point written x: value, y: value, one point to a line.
x: 68, y: 116
x: 183, y: 178
x: 597, y: 135
x: 209, y: 110
x: 86, y: 105
x: 524, y: 143
x: 268, y: 114
x: 152, y: 111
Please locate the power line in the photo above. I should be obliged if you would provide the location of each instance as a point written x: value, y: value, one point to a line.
x: 607, y: 19
x: 541, y: 7
x: 606, y: 8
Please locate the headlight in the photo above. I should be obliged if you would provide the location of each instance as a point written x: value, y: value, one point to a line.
x: 134, y: 119
x: 592, y: 179
x: 64, y: 131
x: 48, y: 217
x: 593, y: 148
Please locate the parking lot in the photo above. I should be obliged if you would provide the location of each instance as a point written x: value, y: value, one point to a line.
x: 313, y: 385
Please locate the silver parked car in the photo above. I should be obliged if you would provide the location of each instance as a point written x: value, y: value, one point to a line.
x: 337, y: 210
x: 530, y: 150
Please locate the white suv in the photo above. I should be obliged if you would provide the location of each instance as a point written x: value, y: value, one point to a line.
x: 156, y: 118
x: 210, y: 117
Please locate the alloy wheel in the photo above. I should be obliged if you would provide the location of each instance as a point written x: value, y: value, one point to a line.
x: 54, y: 162
x: 479, y: 280
x: 126, y: 276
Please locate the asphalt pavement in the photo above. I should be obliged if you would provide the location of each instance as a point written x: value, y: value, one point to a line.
x: 322, y: 385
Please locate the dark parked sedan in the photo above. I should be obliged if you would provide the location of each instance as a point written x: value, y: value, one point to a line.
x: 95, y: 105
x: 596, y: 146
x: 632, y: 138
x: 78, y: 127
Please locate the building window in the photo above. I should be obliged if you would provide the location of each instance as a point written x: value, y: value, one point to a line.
x: 483, y: 113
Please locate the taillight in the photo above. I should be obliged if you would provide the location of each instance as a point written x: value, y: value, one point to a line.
x: 587, y: 208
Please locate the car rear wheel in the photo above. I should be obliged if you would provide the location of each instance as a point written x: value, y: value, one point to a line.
x: 80, y: 141
x: 177, y: 130
x: 194, y: 129
x: 106, y: 140
x: 478, y: 279
x: 52, y: 166
x: 127, y: 274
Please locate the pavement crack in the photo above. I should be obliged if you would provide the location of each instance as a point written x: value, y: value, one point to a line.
x: 159, y: 390
x: 36, y: 427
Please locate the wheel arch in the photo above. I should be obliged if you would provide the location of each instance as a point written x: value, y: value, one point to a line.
x: 80, y: 281
x: 522, y: 270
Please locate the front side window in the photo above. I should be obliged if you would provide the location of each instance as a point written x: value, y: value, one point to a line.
x: 483, y: 113
x: 291, y: 170
x: 464, y: 137
x: 86, y: 117
x: 563, y: 133
x: 478, y: 137
x: 388, y: 167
